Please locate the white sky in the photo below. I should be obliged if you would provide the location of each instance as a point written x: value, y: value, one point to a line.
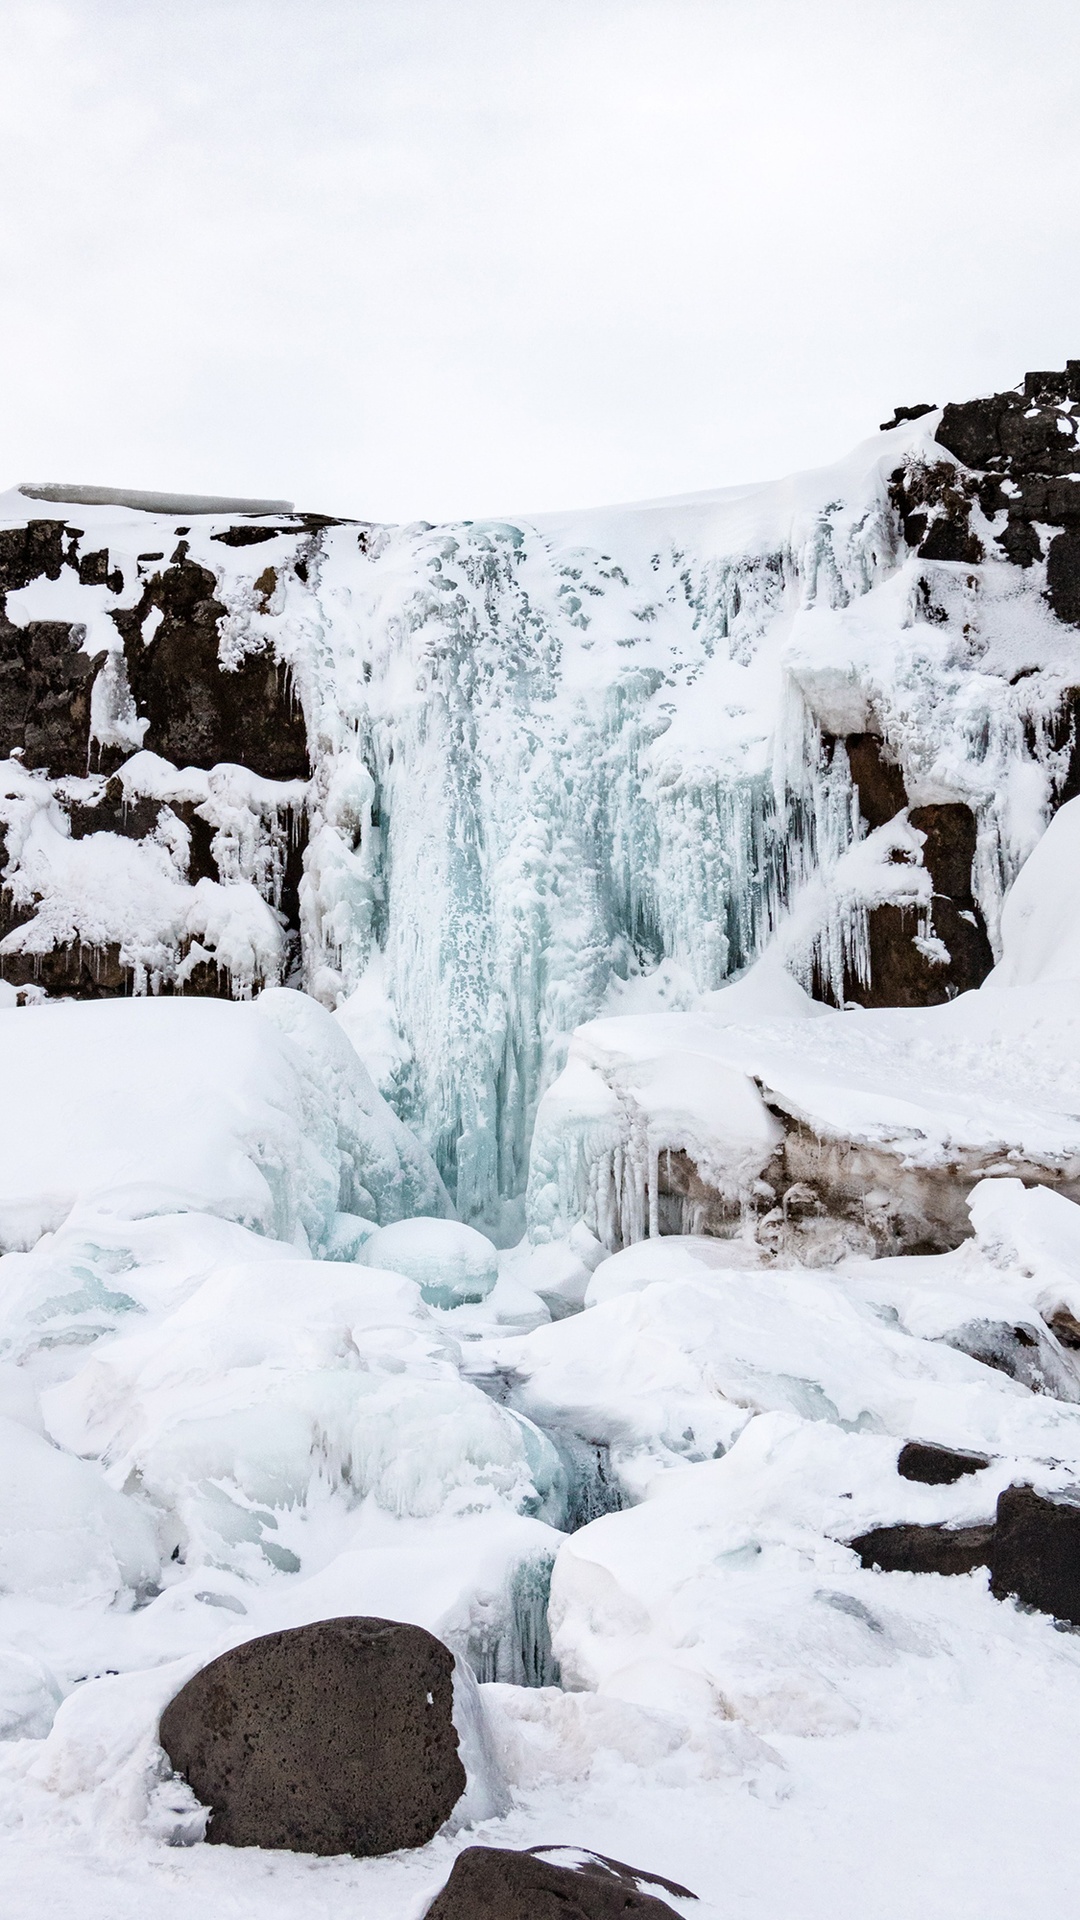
x: 405, y: 258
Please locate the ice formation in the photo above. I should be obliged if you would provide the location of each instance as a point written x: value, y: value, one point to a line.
x: 546, y: 760
x: 687, y: 894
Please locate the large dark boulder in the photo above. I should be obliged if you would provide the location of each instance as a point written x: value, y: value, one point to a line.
x: 937, y: 1466
x: 911, y: 1549
x: 550, y: 1883
x: 1037, y: 1551
x: 331, y: 1738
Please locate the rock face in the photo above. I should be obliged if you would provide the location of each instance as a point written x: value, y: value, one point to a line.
x: 1023, y: 445
x: 905, y: 970
x: 331, y: 1738
x: 925, y: 1549
x: 937, y: 1466
x: 1037, y: 1551
x: 201, y: 713
x: 550, y: 1883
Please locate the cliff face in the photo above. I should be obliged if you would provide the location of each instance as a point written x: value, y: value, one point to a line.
x: 476, y: 785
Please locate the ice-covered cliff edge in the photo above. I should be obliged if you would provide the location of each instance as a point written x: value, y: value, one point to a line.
x: 475, y: 785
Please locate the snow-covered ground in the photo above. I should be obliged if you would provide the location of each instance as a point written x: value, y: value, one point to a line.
x: 225, y: 1411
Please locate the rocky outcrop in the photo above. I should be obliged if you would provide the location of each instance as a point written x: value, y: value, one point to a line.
x: 200, y: 711
x: 915, y: 960
x: 1037, y: 1551
x: 1019, y: 455
x: 551, y: 1883
x: 331, y: 1738
x: 154, y: 671
x: 937, y: 1466
x: 913, y: 1549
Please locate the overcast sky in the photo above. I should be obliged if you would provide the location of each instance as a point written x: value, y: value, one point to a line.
x: 427, y: 258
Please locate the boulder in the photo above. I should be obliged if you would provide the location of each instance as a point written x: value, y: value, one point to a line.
x: 332, y: 1738
x: 550, y: 1883
x: 937, y: 1466
x: 911, y: 1549
x: 1037, y: 1551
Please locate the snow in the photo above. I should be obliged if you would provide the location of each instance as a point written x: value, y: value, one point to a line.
x: 575, y: 853
x: 985, y: 1083
x: 452, y: 1265
x: 262, y: 1115
x: 555, y: 758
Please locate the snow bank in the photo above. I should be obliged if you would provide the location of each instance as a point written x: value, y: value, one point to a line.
x: 277, y: 1391
x: 889, y: 1115
x: 259, y: 1115
x: 65, y: 1535
x: 1040, y: 921
x: 730, y: 1588
x: 671, y: 1371
x: 452, y: 1264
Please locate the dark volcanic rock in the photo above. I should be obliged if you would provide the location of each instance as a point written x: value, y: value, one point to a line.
x: 200, y: 712
x: 332, y: 1738
x: 911, y: 1549
x: 934, y: 502
x: 970, y: 429
x: 75, y: 971
x: 550, y: 1883
x: 878, y: 780
x: 906, y: 413
x: 45, y: 682
x: 28, y: 552
x: 249, y: 536
x: 902, y: 973
x: 109, y: 812
x: 1063, y: 577
x: 1037, y: 1551
x: 937, y: 1466
x: 1025, y: 445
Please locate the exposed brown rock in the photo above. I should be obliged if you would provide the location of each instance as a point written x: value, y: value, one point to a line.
x: 1063, y: 577
x: 331, y: 1738
x: 878, y: 779
x: 30, y: 551
x: 911, y: 1549
x: 45, y: 682
x: 200, y: 712
x: 1037, y: 1551
x: 936, y: 1466
x: 75, y: 971
x: 934, y: 503
x: 109, y: 812
x: 551, y: 1883
x: 901, y: 414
